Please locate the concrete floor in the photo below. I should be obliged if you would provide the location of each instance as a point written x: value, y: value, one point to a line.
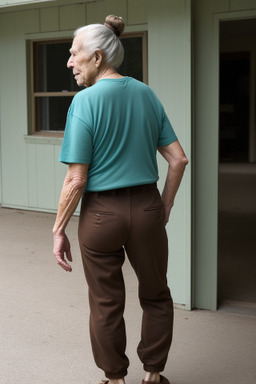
x: 44, y: 320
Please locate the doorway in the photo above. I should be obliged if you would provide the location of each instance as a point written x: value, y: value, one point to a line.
x: 237, y: 165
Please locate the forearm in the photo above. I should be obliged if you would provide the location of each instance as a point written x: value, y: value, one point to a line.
x: 71, y: 193
x: 172, y: 183
x: 177, y: 160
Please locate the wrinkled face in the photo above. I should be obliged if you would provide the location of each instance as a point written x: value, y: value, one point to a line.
x: 84, y: 69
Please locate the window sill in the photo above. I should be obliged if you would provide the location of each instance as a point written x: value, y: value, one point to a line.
x: 41, y: 139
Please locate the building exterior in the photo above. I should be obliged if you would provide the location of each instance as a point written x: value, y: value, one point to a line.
x: 182, y: 67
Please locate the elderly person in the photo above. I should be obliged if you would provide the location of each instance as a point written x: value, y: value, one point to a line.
x: 114, y: 128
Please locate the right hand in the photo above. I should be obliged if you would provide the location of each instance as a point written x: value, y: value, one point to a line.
x: 61, y: 249
x: 167, y: 210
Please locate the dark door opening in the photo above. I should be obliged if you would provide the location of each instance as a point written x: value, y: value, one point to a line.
x: 234, y: 106
x: 237, y: 176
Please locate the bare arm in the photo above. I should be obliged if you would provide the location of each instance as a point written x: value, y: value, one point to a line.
x: 72, y: 190
x: 177, y: 160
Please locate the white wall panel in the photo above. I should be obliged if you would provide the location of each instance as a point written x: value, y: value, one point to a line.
x: 32, y: 176
x: 13, y: 113
x: 72, y: 16
x: 137, y: 14
x: 60, y: 171
x: 45, y: 178
x: 49, y: 19
x: 96, y: 12
x: 206, y: 154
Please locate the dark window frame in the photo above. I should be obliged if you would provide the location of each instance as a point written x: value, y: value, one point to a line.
x: 33, y: 75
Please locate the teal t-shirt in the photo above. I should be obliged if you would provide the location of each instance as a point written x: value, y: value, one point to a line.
x: 116, y: 126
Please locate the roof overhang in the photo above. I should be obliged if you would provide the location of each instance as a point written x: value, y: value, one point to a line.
x: 13, y: 3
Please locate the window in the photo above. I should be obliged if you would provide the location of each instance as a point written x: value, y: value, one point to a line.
x: 135, y: 56
x: 53, y: 85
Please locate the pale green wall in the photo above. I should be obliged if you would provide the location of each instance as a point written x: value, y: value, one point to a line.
x: 14, y: 106
x: 31, y: 175
x: 206, y: 142
x: 169, y: 38
x: 31, y: 164
x: 0, y: 158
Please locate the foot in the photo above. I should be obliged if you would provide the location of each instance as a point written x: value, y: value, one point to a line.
x: 116, y: 381
x: 152, y: 377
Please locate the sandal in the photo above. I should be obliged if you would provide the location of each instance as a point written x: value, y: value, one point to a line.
x: 163, y: 380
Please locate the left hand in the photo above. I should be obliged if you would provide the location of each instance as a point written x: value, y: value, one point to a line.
x: 61, y: 248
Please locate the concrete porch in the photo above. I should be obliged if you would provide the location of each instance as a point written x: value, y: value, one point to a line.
x: 44, y: 319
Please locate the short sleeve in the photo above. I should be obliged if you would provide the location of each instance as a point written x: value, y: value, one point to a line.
x: 77, y: 142
x: 167, y: 134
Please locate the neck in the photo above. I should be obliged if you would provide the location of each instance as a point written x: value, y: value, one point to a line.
x: 109, y: 73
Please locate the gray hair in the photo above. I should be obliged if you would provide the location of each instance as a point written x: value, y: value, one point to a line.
x: 99, y: 37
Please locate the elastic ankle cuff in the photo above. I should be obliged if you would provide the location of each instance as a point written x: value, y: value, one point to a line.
x: 115, y: 376
x: 150, y: 368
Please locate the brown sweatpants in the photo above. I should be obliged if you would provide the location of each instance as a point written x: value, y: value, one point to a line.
x: 111, y: 223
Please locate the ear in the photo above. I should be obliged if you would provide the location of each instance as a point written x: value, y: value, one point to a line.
x: 98, y: 57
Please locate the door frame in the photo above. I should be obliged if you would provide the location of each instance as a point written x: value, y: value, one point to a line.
x: 206, y: 163
x: 243, y: 15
